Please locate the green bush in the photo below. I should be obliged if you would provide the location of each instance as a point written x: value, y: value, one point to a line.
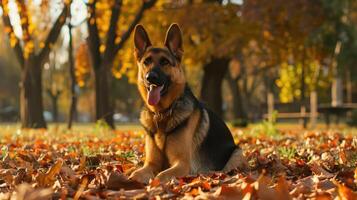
x: 267, y: 127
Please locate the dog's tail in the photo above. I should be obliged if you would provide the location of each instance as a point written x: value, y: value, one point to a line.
x: 237, y: 160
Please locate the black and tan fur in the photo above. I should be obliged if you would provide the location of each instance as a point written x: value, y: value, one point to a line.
x: 183, y: 136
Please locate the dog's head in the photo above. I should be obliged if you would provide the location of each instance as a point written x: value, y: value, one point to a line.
x: 161, y: 78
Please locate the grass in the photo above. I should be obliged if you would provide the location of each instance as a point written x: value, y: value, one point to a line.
x: 287, y: 152
x: 84, y: 131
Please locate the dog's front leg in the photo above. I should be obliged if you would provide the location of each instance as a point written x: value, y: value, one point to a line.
x: 179, y: 150
x: 179, y: 169
x: 153, y: 162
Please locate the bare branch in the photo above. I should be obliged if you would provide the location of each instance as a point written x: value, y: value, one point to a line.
x: 111, y: 34
x: 54, y: 33
x: 10, y: 31
x: 146, y: 5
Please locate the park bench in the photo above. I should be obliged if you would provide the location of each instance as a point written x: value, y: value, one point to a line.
x: 293, y: 115
x: 339, y: 111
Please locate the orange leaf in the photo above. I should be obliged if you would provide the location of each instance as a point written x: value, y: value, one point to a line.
x: 230, y: 193
x: 155, y: 182
x: 345, y: 193
x: 206, y: 186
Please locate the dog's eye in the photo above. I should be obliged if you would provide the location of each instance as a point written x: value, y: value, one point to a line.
x: 148, y: 61
x: 164, y: 62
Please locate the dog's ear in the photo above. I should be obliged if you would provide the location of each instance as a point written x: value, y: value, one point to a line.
x: 141, y: 41
x: 173, y: 40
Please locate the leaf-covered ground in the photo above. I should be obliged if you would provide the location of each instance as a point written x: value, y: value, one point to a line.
x: 91, y: 163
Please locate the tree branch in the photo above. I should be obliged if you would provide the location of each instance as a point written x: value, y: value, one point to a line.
x: 25, y: 20
x: 111, y: 34
x: 54, y: 33
x: 10, y: 31
x: 93, y: 39
x: 146, y: 5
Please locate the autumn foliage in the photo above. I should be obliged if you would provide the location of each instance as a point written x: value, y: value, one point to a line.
x: 93, y: 165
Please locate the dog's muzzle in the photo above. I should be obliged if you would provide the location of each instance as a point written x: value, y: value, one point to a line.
x: 157, y: 84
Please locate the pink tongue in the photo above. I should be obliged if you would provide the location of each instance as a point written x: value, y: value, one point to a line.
x: 154, y: 95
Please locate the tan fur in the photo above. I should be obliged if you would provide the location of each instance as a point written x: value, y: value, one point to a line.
x: 153, y: 162
x: 177, y: 148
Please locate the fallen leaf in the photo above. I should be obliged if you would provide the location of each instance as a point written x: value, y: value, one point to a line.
x: 318, y: 170
x: 282, y: 189
x: 118, y: 181
x: 229, y: 193
x: 26, y: 192
x: 48, y: 179
x: 81, y: 188
x: 345, y: 193
x: 154, y: 182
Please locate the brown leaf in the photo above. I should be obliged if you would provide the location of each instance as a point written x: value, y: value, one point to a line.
x: 318, y: 170
x: 264, y: 191
x: 82, y: 187
x: 7, y: 176
x: 82, y: 163
x: 303, y: 186
x: 342, y: 157
x: 229, y: 193
x: 26, y: 192
x: 325, y: 185
x: 48, y: 179
x: 69, y: 176
x: 282, y: 189
x: 117, y: 181
x: 323, y: 196
x: 129, y: 194
x: 22, y: 176
x: 92, y: 161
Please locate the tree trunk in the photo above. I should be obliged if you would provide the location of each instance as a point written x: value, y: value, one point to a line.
x: 31, y: 96
x: 54, y: 99
x: 238, y: 110
x: 73, y: 107
x: 104, y: 107
x: 211, y: 91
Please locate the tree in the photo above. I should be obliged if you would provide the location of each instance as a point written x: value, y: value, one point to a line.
x: 213, y: 33
x: 104, y: 49
x: 31, y: 61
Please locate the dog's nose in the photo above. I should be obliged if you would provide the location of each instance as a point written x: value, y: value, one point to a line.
x: 152, y: 77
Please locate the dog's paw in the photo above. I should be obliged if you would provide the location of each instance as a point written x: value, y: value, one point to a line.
x: 163, y: 178
x: 142, y: 175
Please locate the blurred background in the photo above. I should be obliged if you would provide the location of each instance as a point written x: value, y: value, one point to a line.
x: 249, y: 60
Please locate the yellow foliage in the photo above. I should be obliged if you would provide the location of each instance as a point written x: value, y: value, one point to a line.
x: 82, y: 63
x: 13, y: 39
x: 204, y: 26
x: 28, y: 48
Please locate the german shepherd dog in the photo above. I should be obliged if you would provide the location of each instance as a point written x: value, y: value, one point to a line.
x: 183, y: 136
